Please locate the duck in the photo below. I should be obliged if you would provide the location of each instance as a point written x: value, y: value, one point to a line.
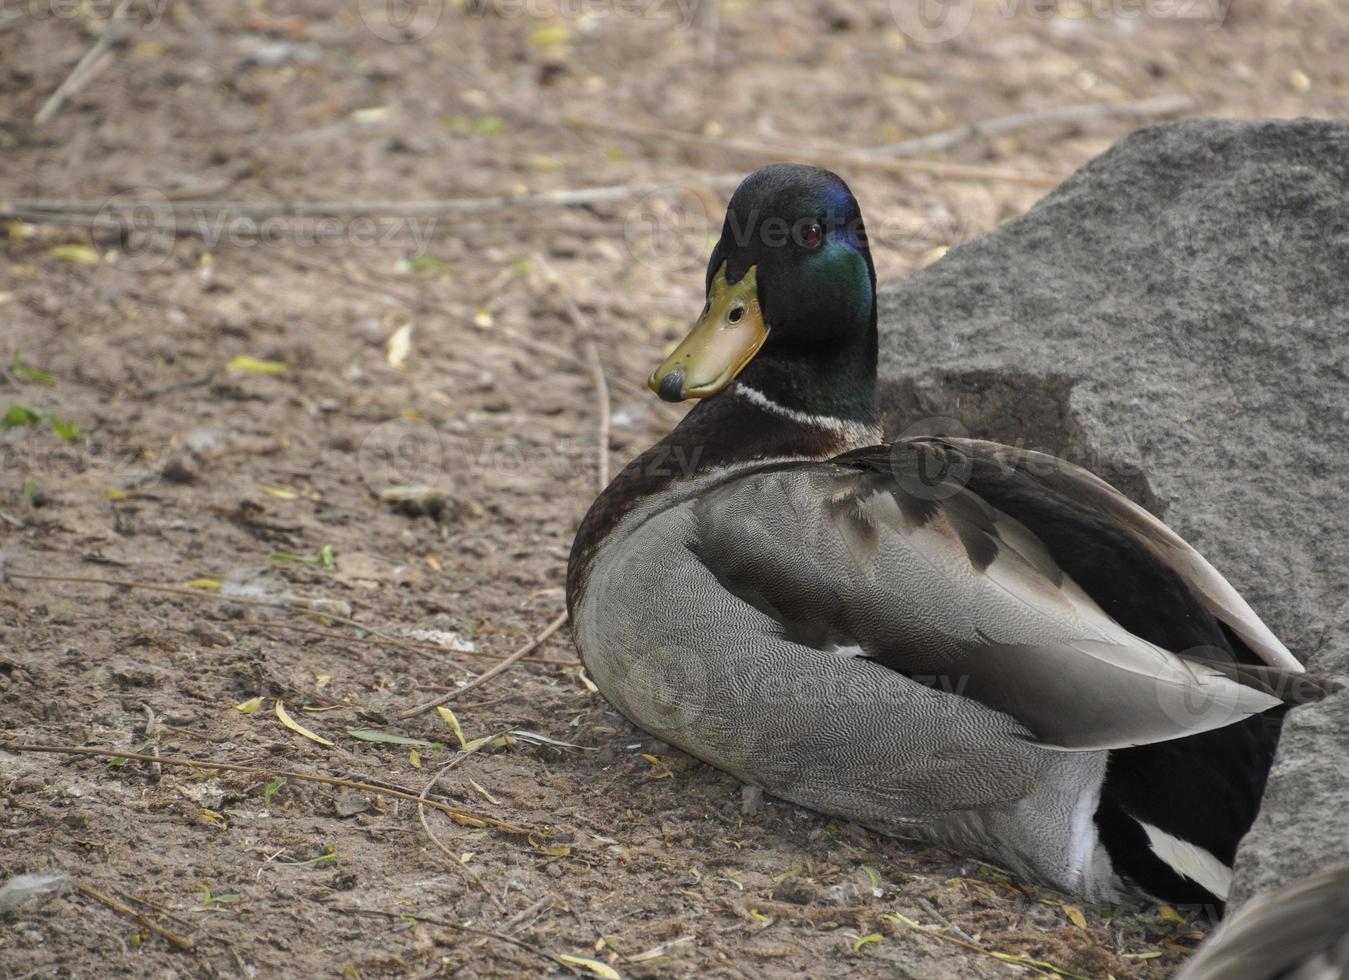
x: 940, y: 638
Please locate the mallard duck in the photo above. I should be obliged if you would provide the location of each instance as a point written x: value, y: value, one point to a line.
x: 940, y: 638
x: 1300, y: 932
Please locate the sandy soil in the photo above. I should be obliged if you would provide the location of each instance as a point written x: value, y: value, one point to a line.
x: 188, y: 468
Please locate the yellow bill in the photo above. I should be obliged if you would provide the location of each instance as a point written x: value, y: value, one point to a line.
x: 725, y: 339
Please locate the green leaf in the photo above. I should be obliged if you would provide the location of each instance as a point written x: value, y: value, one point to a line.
x: 65, y: 428
x: 272, y: 788
x: 371, y: 735
x: 17, y: 415
x: 427, y: 263
x: 24, y: 371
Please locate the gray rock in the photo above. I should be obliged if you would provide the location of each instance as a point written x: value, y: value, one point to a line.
x: 1176, y: 317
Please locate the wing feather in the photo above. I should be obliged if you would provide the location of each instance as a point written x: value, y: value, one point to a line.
x: 941, y: 583
x: 1217, y: 594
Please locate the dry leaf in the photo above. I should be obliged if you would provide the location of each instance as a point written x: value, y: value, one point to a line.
x: 297, y: 728
x: 448, y: 716
x: 249, y: 706
x: 400, y: 345
x: 594, y: 966
x: 82, y: 254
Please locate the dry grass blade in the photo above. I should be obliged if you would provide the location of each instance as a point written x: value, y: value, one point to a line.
x: 457, y: 813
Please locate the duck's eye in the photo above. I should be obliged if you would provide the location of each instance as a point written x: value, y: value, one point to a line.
x: 812, y: 235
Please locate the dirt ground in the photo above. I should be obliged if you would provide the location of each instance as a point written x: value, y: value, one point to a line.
x: 243, y: 412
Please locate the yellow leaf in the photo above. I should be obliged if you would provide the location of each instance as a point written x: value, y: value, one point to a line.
x: 1075, y: 915
x: 400, y: 345
x: 550, y: 37
x: 82, y: 254
x: 249, y: 706
x: 594, y: 966
x: 483, y: 319
x: 448, y: 717
x: 114, y: 494
x: 552, y: 850
x: 1169, y: 914
x: 414, y: 760
x: 214, y: 819
x: 204, y: 583
x: 254, y: 365
x: 280, y: 493
x: 869, y: 938
x: 585, y: 679
x: 297, y: 728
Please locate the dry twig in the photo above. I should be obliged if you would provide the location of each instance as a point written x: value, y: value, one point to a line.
x: 120, y: 908
x: 860, y: 159
x: 97, y: 58
x: 1073, y: 115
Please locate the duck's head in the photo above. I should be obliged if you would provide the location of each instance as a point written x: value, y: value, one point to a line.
x: 791, y: 301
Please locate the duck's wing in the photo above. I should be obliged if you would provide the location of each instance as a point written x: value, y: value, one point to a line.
x: 931, y: 580
x: 1025, y: 474
x: 1301, y: 931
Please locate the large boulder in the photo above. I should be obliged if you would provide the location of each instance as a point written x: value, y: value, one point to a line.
x: 1176, y: 317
